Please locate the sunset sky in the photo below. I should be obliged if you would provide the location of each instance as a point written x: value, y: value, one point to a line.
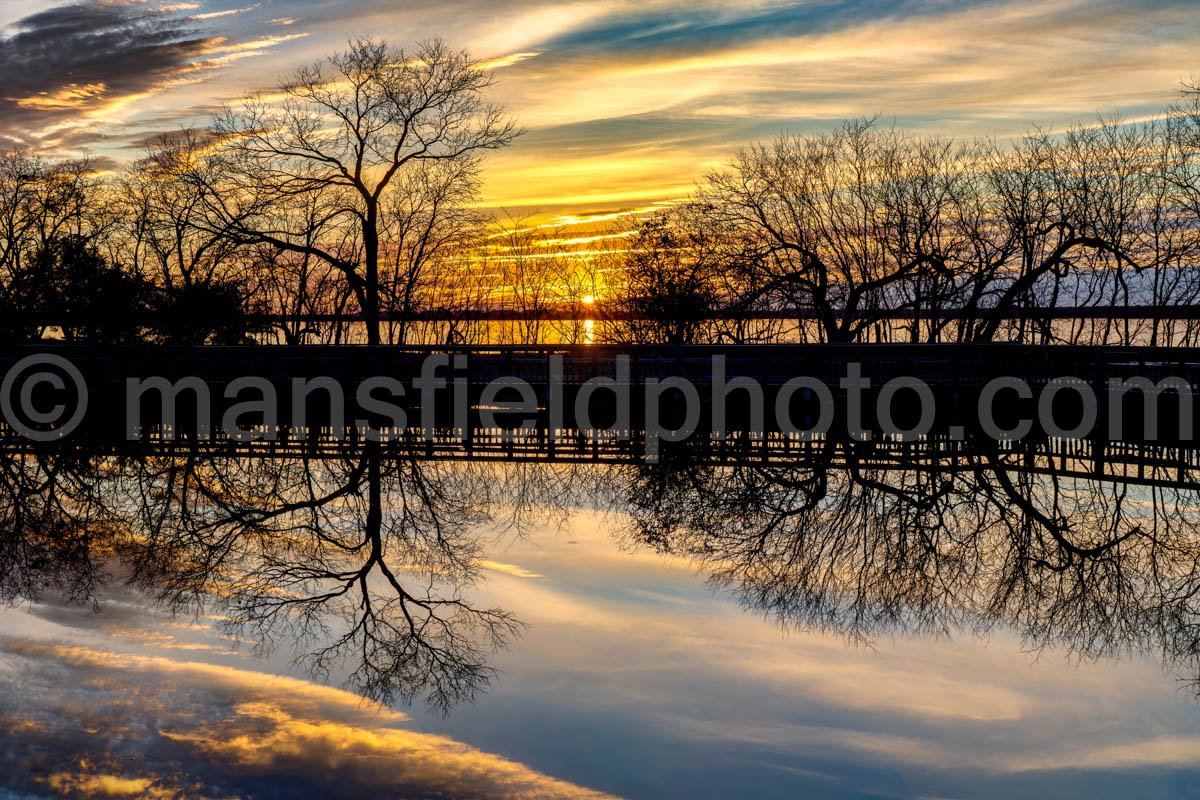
x: 625, y: 102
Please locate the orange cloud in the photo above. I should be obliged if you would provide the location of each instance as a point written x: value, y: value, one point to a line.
x: 148, y: 726
x: 72, y: 95
x: 265, y: 736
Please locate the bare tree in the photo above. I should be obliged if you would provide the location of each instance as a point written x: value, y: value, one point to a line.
x: 871, y: 232
x: 343, y: 133
x: 1072, y: 214
x: 41, y: 202
x: 163, y: 217
x: 1093, y: 567
x: 850, y: 225
x: 668, y: 280
x: 353, y: 562
x: 431, y: 228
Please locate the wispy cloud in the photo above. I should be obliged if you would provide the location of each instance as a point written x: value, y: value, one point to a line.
x: 508, y: 60
x: 64, y: 67
x: 748, y: 72
x: 507, y: 569
x: 628, y: 101
x: 228, y: 12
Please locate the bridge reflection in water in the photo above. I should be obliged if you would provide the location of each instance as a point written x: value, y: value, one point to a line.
x: 360, y: 552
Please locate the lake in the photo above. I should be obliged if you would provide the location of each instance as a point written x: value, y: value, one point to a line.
x: 667, y: 630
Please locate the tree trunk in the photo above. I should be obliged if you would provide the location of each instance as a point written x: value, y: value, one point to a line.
x: 371, y: 293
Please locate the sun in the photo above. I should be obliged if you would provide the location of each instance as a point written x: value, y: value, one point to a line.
x: 588, y: 299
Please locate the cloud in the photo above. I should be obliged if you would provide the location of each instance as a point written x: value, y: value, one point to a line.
x: 1162, y: 751
x: 102, y: 785
x: 941, y: 713
x: 64, y: 69
x: 626, y: 101
x: 264, y: 739
x: 507, y: 569
x: 228, y: 12
x: 81, y: 720
x: 747, y: 73
x: 507, y: 61
x: 79, y: 58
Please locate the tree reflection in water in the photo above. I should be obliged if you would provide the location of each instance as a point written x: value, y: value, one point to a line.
x: 364, y: 564
x: 1097, y: 567
x: 359, y: 563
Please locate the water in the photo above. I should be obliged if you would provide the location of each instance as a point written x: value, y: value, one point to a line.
x: 782, y: 330
x: 638, y: 680
x: 668, y: 631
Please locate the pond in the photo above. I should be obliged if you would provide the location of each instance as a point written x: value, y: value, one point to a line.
x: 215, y: 626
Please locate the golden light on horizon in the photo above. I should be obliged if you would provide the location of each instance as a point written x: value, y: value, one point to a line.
x: 588, y: 299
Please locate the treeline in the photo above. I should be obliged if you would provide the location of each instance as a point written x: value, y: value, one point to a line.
x: 866, y: 226
x: 72, y: 259
x: 352, y: 193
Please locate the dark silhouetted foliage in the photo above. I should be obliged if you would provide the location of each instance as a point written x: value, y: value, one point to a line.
x: 213, y: 313
x: 70, y: 285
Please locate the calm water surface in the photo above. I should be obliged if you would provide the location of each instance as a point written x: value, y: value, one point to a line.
x: 634, y: 678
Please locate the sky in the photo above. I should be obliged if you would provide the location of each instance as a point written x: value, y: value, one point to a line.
x: 625, y: 102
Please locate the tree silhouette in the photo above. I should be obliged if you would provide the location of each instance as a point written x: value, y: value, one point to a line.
x: 1093, y: 567
x: 669, y: 281
x: 355, y: 562
x: 69, y: 283
x: 323, y: 172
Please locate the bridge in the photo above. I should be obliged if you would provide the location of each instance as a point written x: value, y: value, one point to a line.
x: 448, y: 411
